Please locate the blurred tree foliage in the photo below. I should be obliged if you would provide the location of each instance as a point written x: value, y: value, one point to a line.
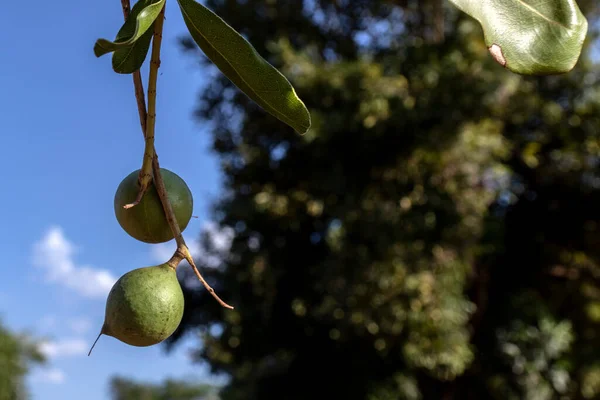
x: 17, y: 354
x: 436, y: 235
x: 127, y: 389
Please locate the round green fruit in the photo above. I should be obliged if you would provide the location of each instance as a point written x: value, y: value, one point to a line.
x: 146, y: 221
x: 144, y: 307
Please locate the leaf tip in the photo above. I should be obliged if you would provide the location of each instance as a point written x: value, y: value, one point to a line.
x: 99, y: 50
x: 305, y: 127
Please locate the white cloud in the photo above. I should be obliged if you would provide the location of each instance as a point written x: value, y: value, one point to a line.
x: 54, y: 254
x: 80, y: 325
x: 64, y: 348
x: 162, y: 252
x: 52, y: 349
x: 51, y: 375
x: 194, y: 247
x: 47, y: 322
x: 77, y: 325
x: 220, y: 240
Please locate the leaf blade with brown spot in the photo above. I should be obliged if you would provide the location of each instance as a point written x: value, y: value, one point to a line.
x: 533, y: 37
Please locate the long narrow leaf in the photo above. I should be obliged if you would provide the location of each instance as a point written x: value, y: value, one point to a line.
x: 142, y: 16
x: 530, y: 37
x: 242, y: 64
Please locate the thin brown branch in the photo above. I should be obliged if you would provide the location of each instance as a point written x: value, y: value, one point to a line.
x: 181, y: 246
x: 190, y: 260
x: 137, y: 78
x: 145, y: 176
x: 126, y: 6
x: 182, y: 249
x: 140, y: 98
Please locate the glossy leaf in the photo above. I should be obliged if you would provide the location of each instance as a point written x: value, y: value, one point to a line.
x: 242, y: 64
x: 130, y: 59
x: 530, y: 37
x: 141, y: 18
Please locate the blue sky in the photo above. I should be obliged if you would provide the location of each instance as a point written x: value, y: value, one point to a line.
x: 70, y: 133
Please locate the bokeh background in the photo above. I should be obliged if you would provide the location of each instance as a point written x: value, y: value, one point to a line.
x: 436, y: 235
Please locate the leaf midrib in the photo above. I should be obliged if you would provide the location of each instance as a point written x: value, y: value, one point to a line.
x: 531, y: 8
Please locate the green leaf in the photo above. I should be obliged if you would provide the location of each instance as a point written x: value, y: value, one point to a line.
x: 141, y: 18
x: 242, y: 64
x: 130, y: 59
x: 530, y: 37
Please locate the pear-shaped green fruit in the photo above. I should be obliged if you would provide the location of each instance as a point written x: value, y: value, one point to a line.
x: 146, y: 221
x: 144, y: 307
